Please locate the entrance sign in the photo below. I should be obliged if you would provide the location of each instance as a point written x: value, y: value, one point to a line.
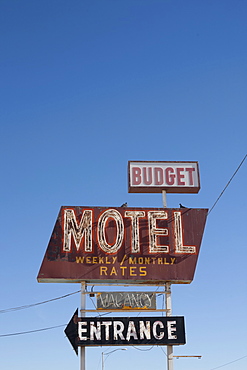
x: 119, y: 331
x: 126, y: 301
x: 124, y: 245
x: 154, y: 177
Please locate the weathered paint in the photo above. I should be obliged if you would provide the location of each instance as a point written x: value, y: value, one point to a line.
x: 95, y: 331
x: 119, y: 245
x: 126, y: 301
x: 154, y: 177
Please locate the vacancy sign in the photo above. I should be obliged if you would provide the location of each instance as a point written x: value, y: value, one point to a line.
x: 154, y: 177
x: 124, y: 245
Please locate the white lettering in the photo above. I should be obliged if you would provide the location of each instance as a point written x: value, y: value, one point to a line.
x: 145, y: 330
x: 95, y: 331
x: 82, y: 330
x: 131, y: 332
x: 161, y: 325
x: 178, y: 235
x: 154, y: 232
x: 116, y: 216
x: 135, y: 215
x: 107, y: 329
x: 118, y: 328
x: 143, y: 300
x: 71, y: 227
x: 171, y: 329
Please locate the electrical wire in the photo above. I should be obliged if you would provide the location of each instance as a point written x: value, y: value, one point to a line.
x: 31, y: 331
x: 227, y: 184
x: 37, y: 304
x: 228, y: 363
x: 148, y: 349
x: 163, y: 351
x: 36, y: 330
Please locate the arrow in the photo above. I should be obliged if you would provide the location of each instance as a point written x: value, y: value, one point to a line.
x: 71, y: 331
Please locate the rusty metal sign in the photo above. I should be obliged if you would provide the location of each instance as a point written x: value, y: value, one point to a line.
x: 124, y: 245
x: 119, y: 331
x: 154, y: 177
x: 126, y: 301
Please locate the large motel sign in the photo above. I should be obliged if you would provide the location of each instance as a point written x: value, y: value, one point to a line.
x: 119, y: 245
x: 115, y: 245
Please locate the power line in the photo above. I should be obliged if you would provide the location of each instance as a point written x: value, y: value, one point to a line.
x: 37, y: 304
x: 163, y: 351
x: 148, y: 349
x: 31, y: 331
x: 227, y: 185
x: 228, y: 363
x: 36, y: 330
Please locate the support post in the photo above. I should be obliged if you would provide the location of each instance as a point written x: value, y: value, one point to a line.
x: 83, y: 307
x: 169, y: 313
x: 168, y: 303
x: 164, y: 198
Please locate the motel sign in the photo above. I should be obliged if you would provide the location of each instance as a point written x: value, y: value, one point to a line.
x: 119, y: 245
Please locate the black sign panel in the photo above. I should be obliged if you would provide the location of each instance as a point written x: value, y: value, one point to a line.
x: 120, y: 331
x: 71, y: 331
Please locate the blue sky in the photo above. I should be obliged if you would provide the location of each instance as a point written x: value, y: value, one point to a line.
x: 87, y: 86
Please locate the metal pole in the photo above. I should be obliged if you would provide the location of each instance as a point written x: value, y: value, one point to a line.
x: 164, y: 198
x: 108, y: 354
x: 83, y: 307
x: 168, y: 302
x: 169, y: 313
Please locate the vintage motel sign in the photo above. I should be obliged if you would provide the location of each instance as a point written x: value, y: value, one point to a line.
x: 124, y: 245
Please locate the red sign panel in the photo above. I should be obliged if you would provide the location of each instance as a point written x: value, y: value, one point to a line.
x: 173, y: 177
x: 124, y: 245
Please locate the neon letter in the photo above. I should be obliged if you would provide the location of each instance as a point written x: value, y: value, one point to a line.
x: 178, y: 234
x: 134, y: 215
x: 116, y: 216
x: 154, y: 232
x: 71, y: 227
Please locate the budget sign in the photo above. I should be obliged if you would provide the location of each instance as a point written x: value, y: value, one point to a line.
x: 154, y: 177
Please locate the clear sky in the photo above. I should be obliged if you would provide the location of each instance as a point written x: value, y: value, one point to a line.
x: 85, y: 87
